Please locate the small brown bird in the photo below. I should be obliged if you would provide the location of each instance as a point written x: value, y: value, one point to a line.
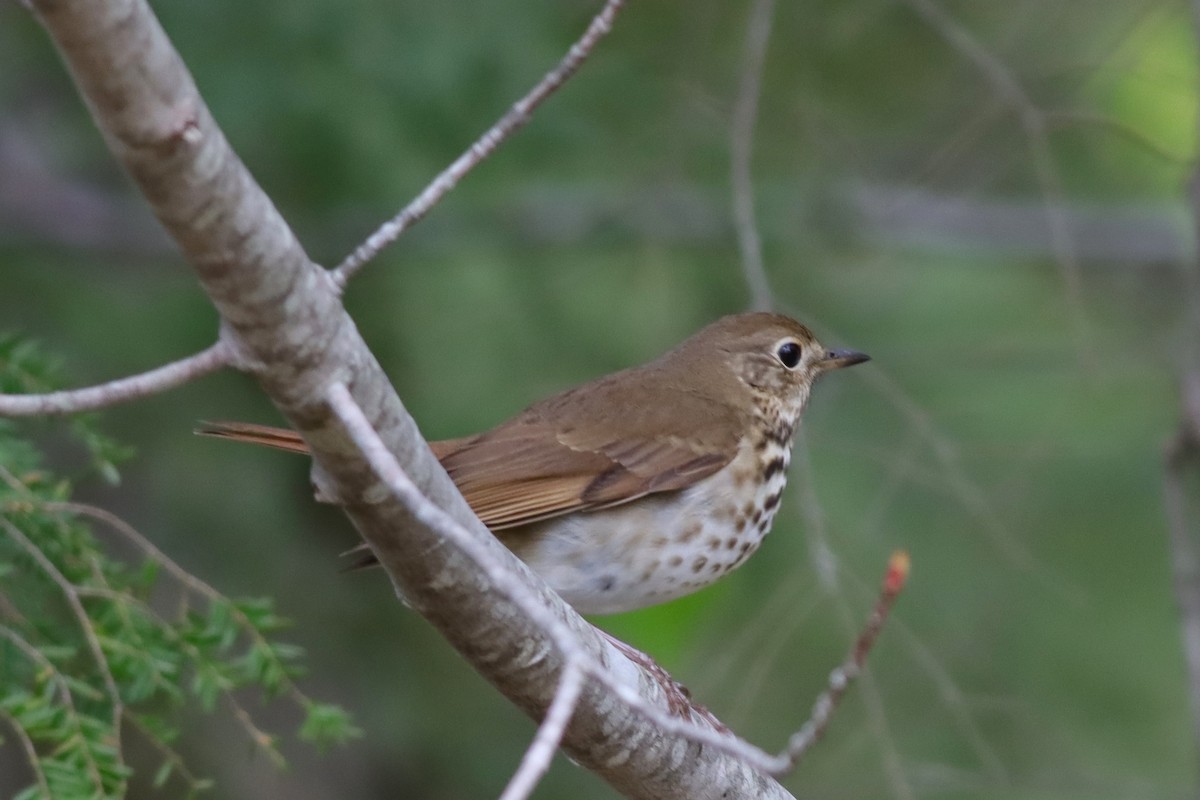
x: 647, y: 484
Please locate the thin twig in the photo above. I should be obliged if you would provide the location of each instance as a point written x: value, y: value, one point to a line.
x: 826, y: 566
x: 37, y: 657
x: 1183, y: 453
x: 513, y: 120
x: 188, y: 581
x: 68, y: 700
x: 177, y: 763
x: 263, y: 740
x: 123, y: 602
x: 31, y: 755
x: 69, y: 592
x: 745, y: 116
x: 841, y: 677
x: 185, y: 578
x: 872, y: 698
x: 389, y: 472
x: 545, y: 743
x: 119, y: 391
x: 9, y: 610
x: 257, y: 735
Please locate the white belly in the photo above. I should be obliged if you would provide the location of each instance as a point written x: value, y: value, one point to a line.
x: 659, y: 547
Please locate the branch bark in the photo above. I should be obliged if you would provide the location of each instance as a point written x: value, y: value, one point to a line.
x: 122, y: 390
x: 284, y: 324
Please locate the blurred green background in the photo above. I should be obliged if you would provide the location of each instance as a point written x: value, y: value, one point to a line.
x: 1008, y: 431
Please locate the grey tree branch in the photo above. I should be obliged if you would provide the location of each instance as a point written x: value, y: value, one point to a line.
x: 283, y: 319
x: 119, y: 391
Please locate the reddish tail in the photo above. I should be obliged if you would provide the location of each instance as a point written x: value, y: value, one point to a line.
x: 279, y: 438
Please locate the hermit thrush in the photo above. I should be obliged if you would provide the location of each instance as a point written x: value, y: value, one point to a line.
x: 647, y: 484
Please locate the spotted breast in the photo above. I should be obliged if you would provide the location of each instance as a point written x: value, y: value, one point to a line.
x: 664, y: 546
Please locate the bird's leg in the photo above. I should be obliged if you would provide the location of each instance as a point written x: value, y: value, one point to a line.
x: 679, y: 697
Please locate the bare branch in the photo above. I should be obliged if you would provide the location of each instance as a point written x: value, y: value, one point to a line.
x: 119, y: 391
x: 745, y: 116
x: 840, y: 678
x: 103, y: 515
x: 541, y: 750
x: 825, y: 563
x: 484, y: 146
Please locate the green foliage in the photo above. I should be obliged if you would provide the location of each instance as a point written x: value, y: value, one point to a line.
x: 96, y: 649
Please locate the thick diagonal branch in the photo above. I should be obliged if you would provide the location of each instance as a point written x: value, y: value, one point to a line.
x: 284, y: 319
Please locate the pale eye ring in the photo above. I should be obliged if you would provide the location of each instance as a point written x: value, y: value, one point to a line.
x: 789, y: 354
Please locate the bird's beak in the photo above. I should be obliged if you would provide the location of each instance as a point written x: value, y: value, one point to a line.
x: 836, y: 359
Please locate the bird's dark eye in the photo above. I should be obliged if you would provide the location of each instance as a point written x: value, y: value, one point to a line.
x: 789, y: 354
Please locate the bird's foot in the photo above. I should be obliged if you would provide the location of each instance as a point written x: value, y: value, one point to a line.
x: 679, y: 698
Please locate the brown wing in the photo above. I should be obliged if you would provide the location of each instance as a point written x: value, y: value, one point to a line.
x: 607, y: 443
x: 573, y: 452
